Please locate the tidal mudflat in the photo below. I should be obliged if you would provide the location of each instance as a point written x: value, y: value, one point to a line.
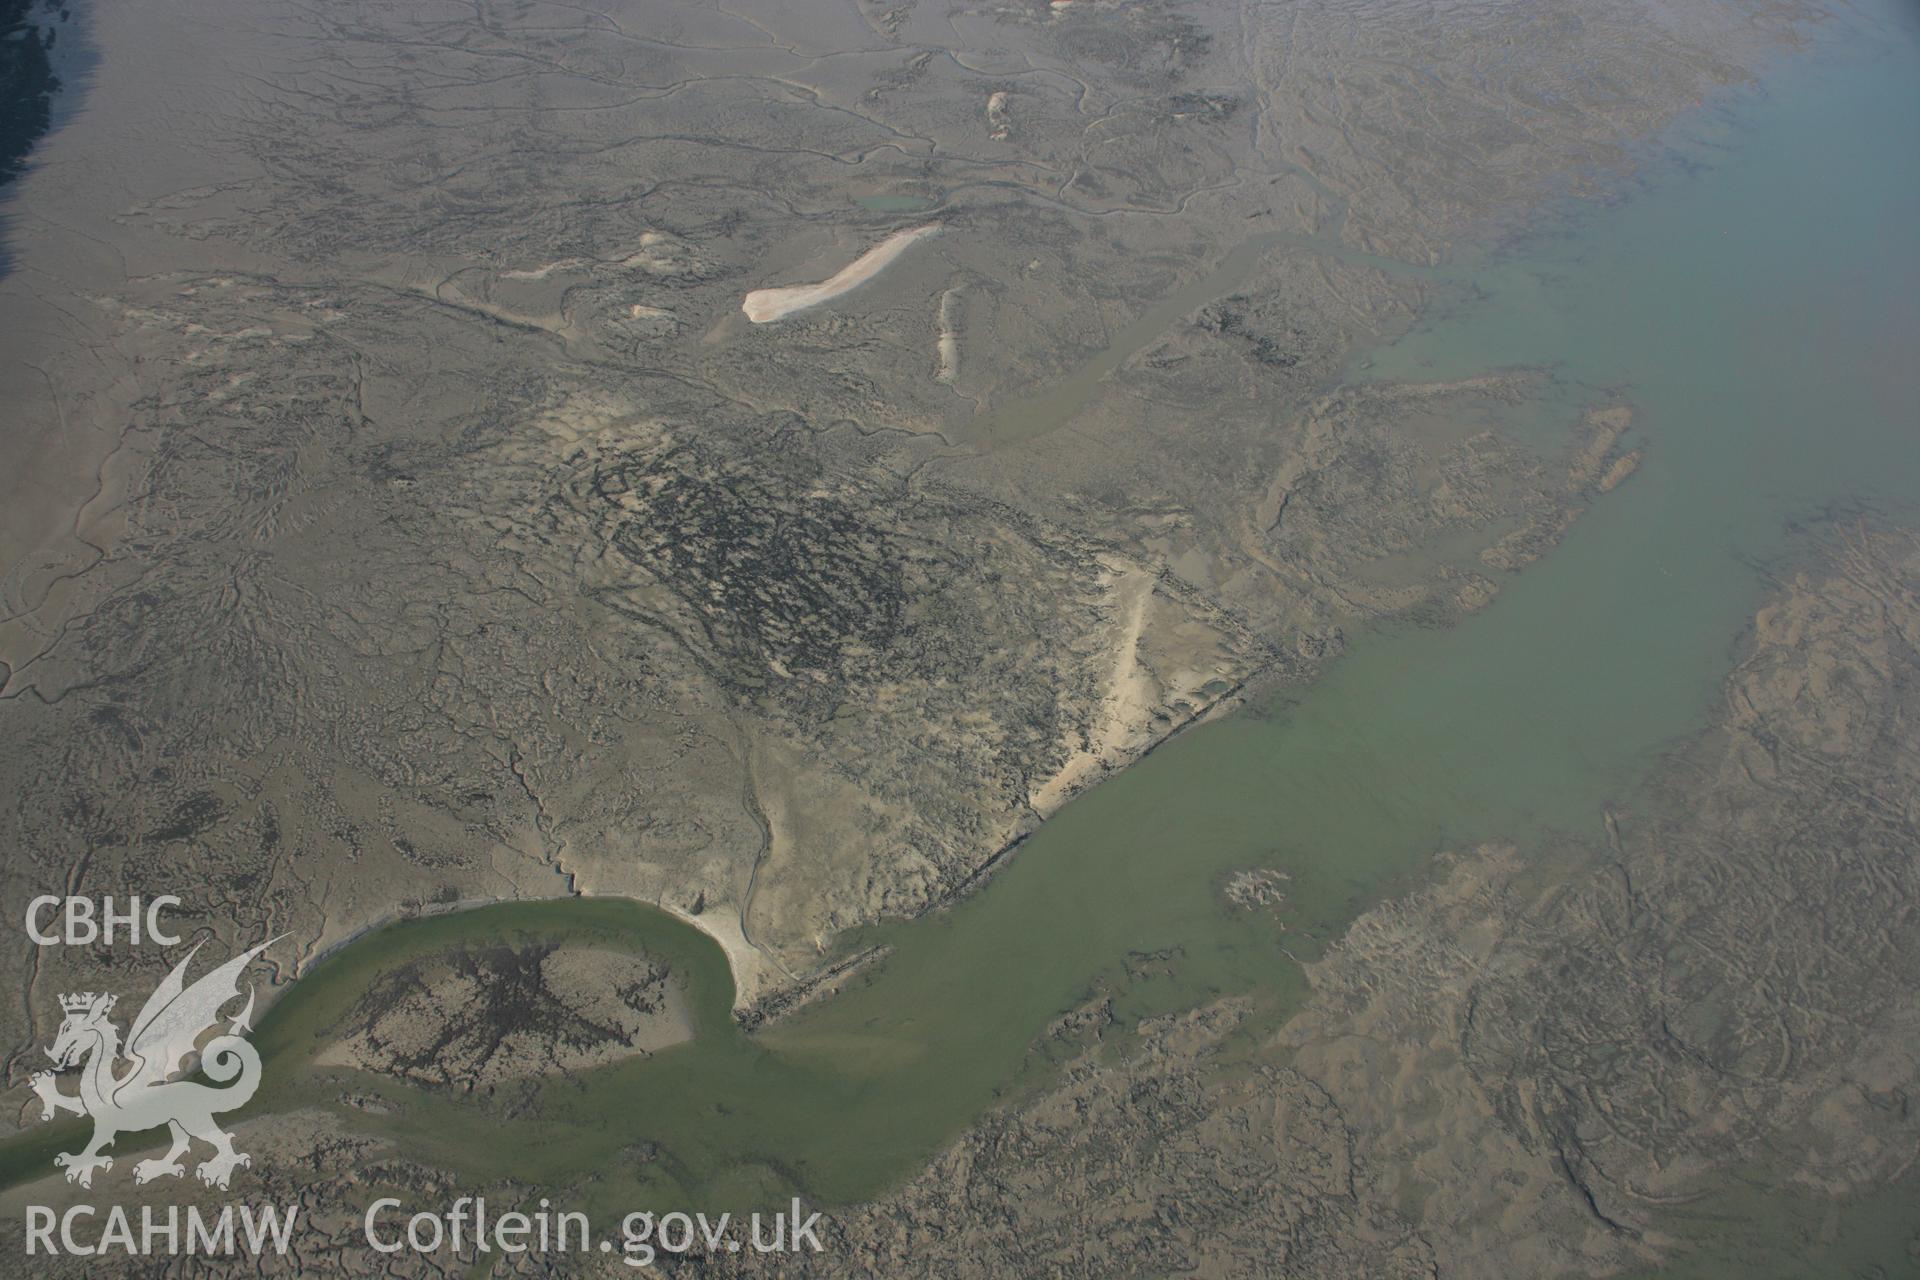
x: 1398, y: 593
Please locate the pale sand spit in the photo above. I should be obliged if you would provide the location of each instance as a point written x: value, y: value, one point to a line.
x: 1130, y: 699
x: 765, y: 305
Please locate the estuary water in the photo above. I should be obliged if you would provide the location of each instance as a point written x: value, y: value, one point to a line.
x: 1754, y: 297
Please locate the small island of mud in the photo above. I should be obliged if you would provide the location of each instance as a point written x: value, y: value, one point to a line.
x: 476, y: 1018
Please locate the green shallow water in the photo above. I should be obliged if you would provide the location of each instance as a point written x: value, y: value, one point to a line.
x: 894, y: 203
x: 1755, y: 300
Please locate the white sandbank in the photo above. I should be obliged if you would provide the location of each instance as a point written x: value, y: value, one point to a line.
x: 764, y: 305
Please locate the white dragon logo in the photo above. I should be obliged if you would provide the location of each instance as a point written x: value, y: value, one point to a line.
x: 149, y: 1093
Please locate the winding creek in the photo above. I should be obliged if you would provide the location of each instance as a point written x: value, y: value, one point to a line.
x: 1744, y: 300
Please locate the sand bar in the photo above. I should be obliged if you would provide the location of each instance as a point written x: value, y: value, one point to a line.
x: 764, y: 305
